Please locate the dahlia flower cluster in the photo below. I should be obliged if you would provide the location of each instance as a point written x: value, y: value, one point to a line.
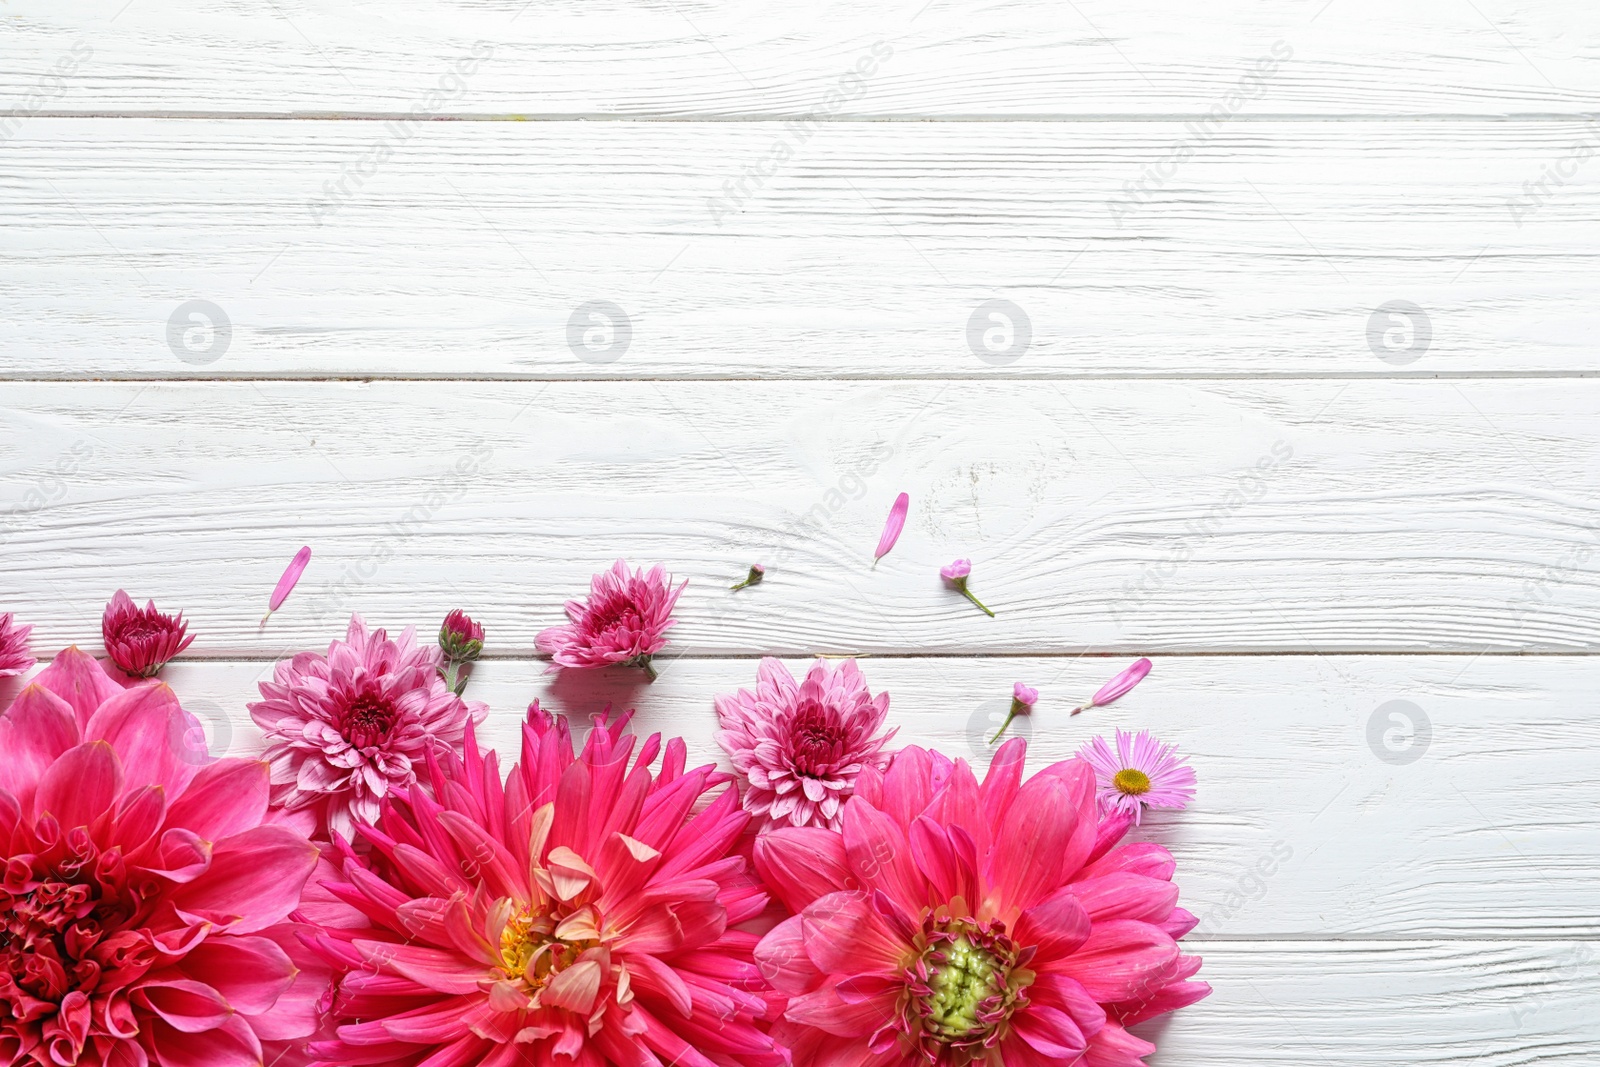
x: 372, y: 889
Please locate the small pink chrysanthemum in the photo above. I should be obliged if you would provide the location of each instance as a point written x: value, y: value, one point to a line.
x: 144, y: 906
x: 346, y: 728
x: 14, y: 658
x: 799, y: 747
x: 1141, y: 773
x: 624, y: 621
x: 958, y: 924
x: 140, y: 641
x: 585, y: 912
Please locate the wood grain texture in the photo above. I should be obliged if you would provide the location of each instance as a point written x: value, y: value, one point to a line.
x: 466, y: 249
x: 1138, y: 517
x: 1304, y: 827
x: 1015, y: 57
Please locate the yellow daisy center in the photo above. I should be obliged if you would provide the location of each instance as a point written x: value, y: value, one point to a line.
x: 1130, y: 782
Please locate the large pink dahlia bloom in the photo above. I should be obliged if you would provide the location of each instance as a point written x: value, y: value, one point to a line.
x: 953, y: 923
x: 582, y: 913
x: 346, y: 728
x: 800, y: 746
x: 624, y: 621
x: 144, y: 898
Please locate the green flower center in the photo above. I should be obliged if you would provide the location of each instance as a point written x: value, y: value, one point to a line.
x: 1131, y: 782
x: 958, y: 984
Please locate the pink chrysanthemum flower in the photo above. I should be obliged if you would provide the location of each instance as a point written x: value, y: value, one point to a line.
x: 1141, y: 773
x: 140, y: 641
x: 952, y: 923
x: 799, y: 747
x: 14, y: 658
x: 624, y: 621
x: 578, y: 914
x: 143, y: 908
x: 346, y: 728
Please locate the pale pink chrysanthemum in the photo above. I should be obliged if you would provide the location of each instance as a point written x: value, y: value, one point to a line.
x: 14, y: 658
x: 800, y: 746
x: 624, y: 621
x: 346, y: 728
x: 958, y: 924
x: 146, y: 891
x: 585, y: 912
x: 1141, y: 773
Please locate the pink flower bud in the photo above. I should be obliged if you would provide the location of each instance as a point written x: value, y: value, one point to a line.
x: 1025, y: 694
x: 961, y: 568
x: 141, y: 641
x: 460, y: 637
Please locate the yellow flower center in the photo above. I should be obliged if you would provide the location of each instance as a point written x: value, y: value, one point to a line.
x: 534, y: 946
x: 1130, y: 782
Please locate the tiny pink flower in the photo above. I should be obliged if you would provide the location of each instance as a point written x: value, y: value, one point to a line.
x: 959, y: 569
x: 346, y: 729
x: 1141, y: 773
x: 141, y: 641
x: 624, y: 622
x: 14, y: 658
x: 460, y: 639
x: 1023, y: 698
x: 799, y: 746
x: 956, y: 574
x: 892, y: 528
x: 1118, y: 687
x: 286, y: 584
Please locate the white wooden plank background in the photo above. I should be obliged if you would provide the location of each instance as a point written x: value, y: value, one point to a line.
x: 1324, y: 528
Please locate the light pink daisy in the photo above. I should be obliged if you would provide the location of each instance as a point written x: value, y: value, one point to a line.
x: 346, y: 728
x: 14, y: 658
x: 799, y: 746
x: 1141, y: 773
x: 624, y: 621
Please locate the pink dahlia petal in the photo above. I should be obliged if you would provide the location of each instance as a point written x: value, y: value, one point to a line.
x: 345, y: 729
x: 1119, y: 686
x: 892, y: 528
x: 291, y: 578
x: 624, y: 621
x: 800, y: 746
x: 103, y: 957
x: 579, y: 911
x: 14, y: 658
x: 1004, y: 925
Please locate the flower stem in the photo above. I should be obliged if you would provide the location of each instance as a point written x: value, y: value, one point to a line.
x: 649, y: 668
x: 1004, y: 725
x: 968, y: 594
x: 461, y: 679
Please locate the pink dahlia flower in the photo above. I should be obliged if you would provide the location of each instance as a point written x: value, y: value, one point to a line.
x: 800, y: 746
x: 1141, y: 773
x: 952, y: 923
x: 624, y: 621
x: 14, y: 658
x: 140, y: 641
x: 346, y: 728
x: 143, y: 908
x: 581, y: 913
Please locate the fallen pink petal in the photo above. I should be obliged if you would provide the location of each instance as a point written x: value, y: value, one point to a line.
x: 286, y: 584
x: 892, y: 528
x: 1119, y: 686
